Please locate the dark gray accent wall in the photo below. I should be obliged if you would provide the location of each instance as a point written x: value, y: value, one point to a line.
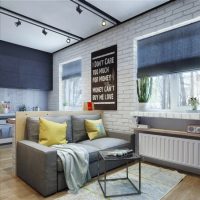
x: 25, y: 68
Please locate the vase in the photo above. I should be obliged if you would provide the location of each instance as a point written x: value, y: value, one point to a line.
x: 142, y: 106
x: 194, y: 107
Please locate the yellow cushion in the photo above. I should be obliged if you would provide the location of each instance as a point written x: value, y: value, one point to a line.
x: 95, y: 129
x: 52, y: 133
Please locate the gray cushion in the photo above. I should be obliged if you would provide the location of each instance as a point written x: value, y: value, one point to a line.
x: 106, y: 143
x: 94, y: 146
x: 32, y: 126
x: 78, y: 126
x: 93, y: 155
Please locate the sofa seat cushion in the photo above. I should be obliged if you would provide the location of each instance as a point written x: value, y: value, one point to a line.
x: 94, y: 146
x: 93, y: 155
x: 107, y: 143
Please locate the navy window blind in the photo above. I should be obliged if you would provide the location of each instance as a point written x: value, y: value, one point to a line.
x: 177, y: 50
x: 72, y: 69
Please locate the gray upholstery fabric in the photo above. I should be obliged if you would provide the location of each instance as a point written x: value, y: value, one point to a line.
x: 32, y: 129
x: 39, y: 165
x: 93, y: 155
x: 106, y: 143
x: 93, y: 171
x: 32, y: 126
x: 36, y: 165
x: 78, y: 126
x: 124, y: 136
x: 93, y: 167
x: 109, y: 165
x: 61, y: 182
x: 96, y: 145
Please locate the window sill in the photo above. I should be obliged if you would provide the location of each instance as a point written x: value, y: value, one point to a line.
x: 193, y: 115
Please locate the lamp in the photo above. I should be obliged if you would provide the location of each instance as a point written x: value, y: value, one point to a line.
x: 68, y: 40
x: 78, y: 9
x: 18, y: 23
x: 103, y: 23
x: 44, y: 31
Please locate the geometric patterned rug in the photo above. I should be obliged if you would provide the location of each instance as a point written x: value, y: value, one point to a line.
x: 156, y: 182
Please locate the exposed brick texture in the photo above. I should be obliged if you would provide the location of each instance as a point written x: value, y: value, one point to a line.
x: 121, y: 120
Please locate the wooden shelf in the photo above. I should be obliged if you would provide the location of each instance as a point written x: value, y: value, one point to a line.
x: 165, y: 132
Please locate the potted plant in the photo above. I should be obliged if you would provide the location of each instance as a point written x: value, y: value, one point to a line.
x: 144, y: 90
x: 65, y: 106
x: 194, y: 102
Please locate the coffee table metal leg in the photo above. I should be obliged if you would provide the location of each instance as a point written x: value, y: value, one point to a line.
x: 139, y: 176
x: 105, y: 177
x: 127, y: 169
x: 98, y: 166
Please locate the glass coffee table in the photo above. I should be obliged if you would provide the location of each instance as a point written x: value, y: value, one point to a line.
x: 107, y: 157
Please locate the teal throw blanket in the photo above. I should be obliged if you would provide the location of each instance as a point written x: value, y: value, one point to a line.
x: 75, y: 160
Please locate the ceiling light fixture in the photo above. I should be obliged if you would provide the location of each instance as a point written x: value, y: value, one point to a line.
x: 18, y: 23
x: 78, y: 9
x: 103, y: 23
x: 44, y: 27
x: 68, y: 40
x: 44, y: 31
x: 82, y: 5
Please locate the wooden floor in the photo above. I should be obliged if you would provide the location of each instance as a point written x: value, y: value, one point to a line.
x: 12, y: 188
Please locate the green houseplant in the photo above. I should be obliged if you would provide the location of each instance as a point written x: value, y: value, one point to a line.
x: 194, y: 102
x: 144, y: 89
x: 65, y: 106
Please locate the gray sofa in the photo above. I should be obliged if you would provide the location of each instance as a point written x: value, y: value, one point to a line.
x: 41, y: 168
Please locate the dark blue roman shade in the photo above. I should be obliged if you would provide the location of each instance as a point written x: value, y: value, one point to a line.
x: 177, y: 50
x: 71, y: 69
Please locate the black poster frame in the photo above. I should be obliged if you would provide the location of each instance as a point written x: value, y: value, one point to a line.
x: 104, y: 78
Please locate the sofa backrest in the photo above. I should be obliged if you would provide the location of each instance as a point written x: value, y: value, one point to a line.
x: 78, y: 126
x: 75, y: 126
x: 22, y: 118
x: 32, y: 127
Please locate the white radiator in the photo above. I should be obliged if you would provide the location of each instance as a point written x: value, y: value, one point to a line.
x: 177, y: 150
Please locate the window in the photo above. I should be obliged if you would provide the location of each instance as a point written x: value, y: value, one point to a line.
x: 173, y: 91
x: 71, y: 76
x: 72, y: 92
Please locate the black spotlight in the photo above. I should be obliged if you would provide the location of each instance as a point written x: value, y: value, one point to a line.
x: 78, y: 9
x: 68, y: 40
x: 44, y: 31
x: 18, y: 23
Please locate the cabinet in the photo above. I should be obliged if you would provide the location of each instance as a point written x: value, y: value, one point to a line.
x: 5, y: 129
x: 24, y: 68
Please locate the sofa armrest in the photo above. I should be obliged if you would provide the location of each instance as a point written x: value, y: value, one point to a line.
x: 125, y: 136
x: 37, y: 166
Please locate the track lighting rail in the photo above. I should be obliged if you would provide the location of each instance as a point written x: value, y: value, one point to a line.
x: 37, y: 23
x: 103, y: 14
x: 95, y: 11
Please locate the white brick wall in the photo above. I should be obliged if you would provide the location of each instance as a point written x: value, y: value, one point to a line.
x: 123, y: 35
x: 29, y: 97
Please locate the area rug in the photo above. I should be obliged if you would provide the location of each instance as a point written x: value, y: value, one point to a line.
x: 156, y: 182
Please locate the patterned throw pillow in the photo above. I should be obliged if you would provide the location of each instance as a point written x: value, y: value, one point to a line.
x: 95, y: 129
